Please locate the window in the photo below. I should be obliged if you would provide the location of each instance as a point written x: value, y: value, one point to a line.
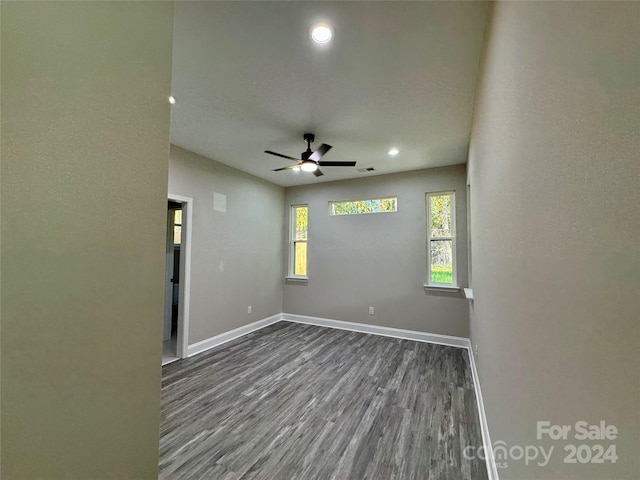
x: 298, y: 241
x: 177, y: 227
x: 355, y: 207
x: 441, y: 239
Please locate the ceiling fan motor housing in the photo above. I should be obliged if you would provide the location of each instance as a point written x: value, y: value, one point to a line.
x: 309, y: 138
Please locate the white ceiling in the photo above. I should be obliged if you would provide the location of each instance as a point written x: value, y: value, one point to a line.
x: 397, y: 74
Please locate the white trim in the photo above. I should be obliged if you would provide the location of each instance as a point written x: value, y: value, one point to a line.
x: 492, y: 469
x: 225, y: 337
x: 182, y: 344
x: 449, y: 340
x: 297, y: 278
x: 441, y: 288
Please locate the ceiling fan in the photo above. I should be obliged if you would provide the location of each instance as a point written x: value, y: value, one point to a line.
x: 310, y: 161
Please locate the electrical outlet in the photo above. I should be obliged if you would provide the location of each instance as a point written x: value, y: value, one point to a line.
x: 475, y: 349
x: 371, y: 310
x: 249, y: 310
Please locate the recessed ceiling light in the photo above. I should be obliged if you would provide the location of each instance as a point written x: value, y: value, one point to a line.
x: 322, y: 33
x: 393, y: 152
x: 172, y: 100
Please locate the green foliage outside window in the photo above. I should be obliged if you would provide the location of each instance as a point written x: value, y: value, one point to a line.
x: 300, y: 258
x: 441, y: 274
x: 440, y: 216
x: 354, y: 207
x: 300, y: 240
x: 441, y: 238
x: 302, y: 220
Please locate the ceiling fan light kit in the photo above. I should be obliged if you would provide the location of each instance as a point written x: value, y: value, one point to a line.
x: 309, y: 160
x: 308, y: 167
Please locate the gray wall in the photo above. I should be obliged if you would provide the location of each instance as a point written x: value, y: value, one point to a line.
x: 379, y: 260
x: 236, y: 255
x: 555, y: 221
x: 85, y: 147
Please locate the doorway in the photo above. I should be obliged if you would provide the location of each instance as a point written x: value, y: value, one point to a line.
x: 177, y: 271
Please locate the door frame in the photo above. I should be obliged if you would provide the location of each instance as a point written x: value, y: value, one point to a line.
x: 184, y: 290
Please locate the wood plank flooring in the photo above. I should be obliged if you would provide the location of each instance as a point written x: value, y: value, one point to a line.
x: 295, y: 401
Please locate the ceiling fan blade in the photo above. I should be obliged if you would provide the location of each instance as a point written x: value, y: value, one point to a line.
x: 318, y: 173
x: 322, y: 149
x: 337, y: 164
x: 281, y: 155
x: 285, y: 168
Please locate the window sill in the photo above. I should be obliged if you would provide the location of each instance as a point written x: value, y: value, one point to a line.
x: 297, y: 279
x: 442, y: 288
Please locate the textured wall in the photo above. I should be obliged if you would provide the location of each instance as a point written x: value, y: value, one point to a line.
x: 379, y: 260
x: 85, y: 146
x: 555, y: 190
x: 236, y: 255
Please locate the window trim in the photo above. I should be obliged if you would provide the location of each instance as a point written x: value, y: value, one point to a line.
x: 386, y: 197
x: 453, y: 286
x: 291, y: 276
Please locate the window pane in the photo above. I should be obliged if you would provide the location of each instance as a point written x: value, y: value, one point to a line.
x: 178, y: 217
x: 302, y: 214
x: 440, y: 209
x: 441, y: 261
x: 374, y: 205
x: 300, y: 262
x: 177, y: 235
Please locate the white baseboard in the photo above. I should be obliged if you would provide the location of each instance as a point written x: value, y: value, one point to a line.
x: 449, y: 340
x: 225, y: 337
x: 492, y: 469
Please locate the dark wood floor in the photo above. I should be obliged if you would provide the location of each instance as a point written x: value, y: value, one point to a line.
x: 296, y: 401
